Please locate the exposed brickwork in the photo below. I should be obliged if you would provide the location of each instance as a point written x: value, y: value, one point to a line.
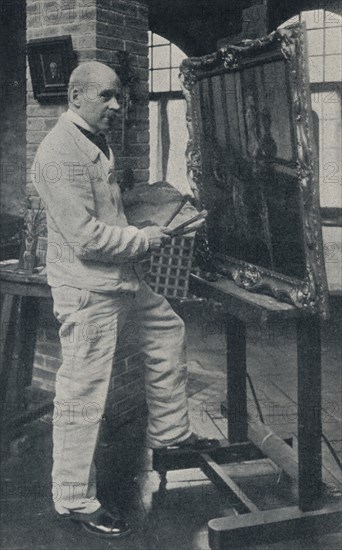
x: 99, y: 29
x: 121, y: 26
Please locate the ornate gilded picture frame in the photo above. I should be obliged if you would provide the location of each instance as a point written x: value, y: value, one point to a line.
x: 251, y: 156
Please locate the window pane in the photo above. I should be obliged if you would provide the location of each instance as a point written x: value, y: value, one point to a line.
x: 159, y: 40
x: 327, y: 106
x: 333, y: 41
x: 178, y: 133
x: 316, y: 68
x: 156, y: 172
x: 316, y: 42
x: 161, y: 57
x: 314, y: 19
x: 177, y: 56
x: 175, y: 84
x: 333, y: 68
x: 333, y: 19
x: 161, y: 80
x: 149, y: 38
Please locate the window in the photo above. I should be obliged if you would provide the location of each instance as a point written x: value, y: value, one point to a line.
x: 324, y: 32
x: 165, y: 59
x: 168, y: 131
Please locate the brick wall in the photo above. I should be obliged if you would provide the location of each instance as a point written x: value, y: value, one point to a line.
x: 99, y: 29
x: 123, y: 25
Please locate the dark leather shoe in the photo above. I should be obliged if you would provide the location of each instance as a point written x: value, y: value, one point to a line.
x: 101, y: 523
x: 196, y: 443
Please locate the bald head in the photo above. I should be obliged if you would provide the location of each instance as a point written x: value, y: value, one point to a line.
x: 90, y: 72
x: 95, y: 94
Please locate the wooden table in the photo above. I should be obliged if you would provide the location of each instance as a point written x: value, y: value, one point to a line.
x: 19, y: 315
x: 248, y: 440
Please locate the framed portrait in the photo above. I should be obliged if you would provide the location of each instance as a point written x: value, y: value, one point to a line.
x: 251, y: 154
x: 51, y: 61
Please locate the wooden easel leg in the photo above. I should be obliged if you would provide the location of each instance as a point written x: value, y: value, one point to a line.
x: 309, y: 413
x: 236, y: 380
x: 272, y: 526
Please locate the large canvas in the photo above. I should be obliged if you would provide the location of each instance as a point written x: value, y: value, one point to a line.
x: 251, y: 155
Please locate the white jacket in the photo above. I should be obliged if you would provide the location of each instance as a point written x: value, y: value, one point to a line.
x: 90, y: 244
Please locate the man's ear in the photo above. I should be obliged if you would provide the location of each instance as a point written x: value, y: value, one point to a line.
x: 75, y: 96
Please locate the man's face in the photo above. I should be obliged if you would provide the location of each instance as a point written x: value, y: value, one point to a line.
x: 100, y: 100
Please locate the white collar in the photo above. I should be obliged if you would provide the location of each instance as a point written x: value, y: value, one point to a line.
x: 77, y: 119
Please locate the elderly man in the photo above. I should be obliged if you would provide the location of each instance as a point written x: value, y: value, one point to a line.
x: 92, y: 252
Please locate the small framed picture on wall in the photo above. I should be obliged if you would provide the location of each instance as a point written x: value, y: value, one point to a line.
x: 51, y: 61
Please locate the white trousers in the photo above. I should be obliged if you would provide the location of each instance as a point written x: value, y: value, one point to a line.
x: 91, y: 323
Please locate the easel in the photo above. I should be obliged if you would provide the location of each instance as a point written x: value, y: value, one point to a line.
x: 248, y: 441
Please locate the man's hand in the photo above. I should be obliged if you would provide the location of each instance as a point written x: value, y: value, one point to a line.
x: 157, y: 235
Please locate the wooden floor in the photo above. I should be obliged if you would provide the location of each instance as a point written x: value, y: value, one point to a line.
x: 177, y: 517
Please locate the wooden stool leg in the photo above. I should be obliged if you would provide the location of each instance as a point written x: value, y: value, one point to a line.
x: 309, y: 413
x: 8, y: 320
x: 236, y: 380
x: 9, y: 316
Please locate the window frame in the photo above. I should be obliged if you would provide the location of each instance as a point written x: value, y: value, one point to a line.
x: 172, y: 94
